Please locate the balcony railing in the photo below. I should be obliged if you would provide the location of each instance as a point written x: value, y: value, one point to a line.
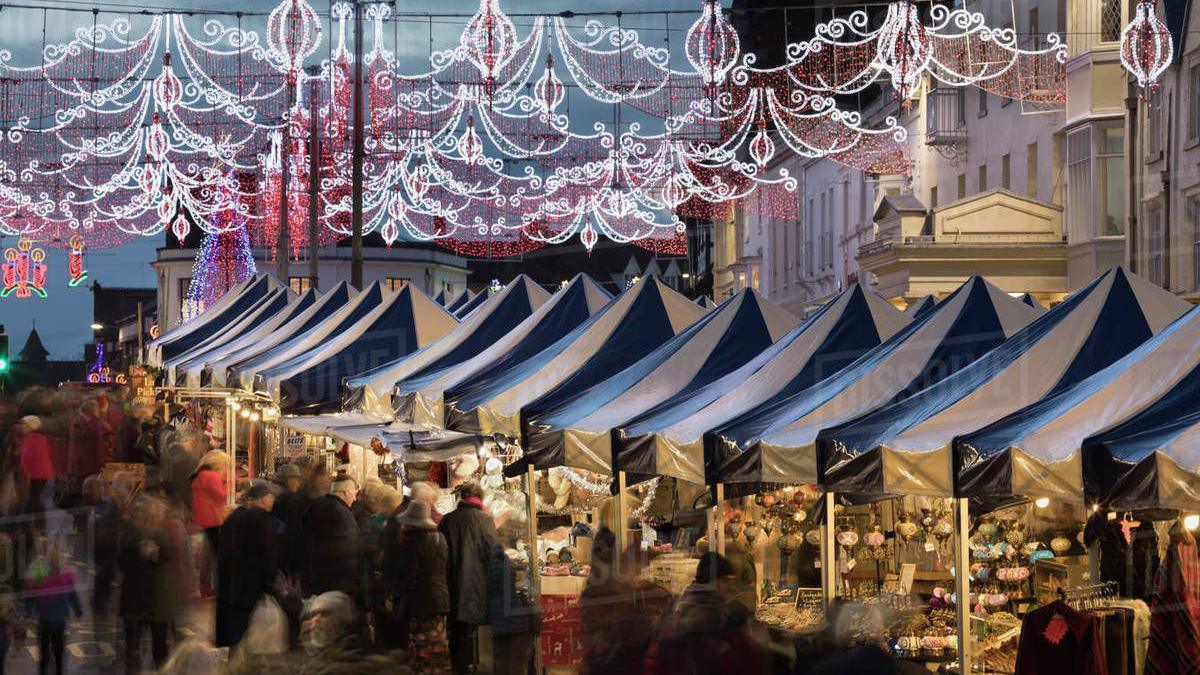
x: 945, y: 116
x: 880, y: 245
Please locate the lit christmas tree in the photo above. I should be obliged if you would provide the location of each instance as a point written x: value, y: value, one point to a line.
x: 224, y: 260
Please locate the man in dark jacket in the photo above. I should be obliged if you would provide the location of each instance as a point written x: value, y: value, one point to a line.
x: 288, y: 507
x: 471, y: 537
x: 246, y: 562
x: 150, y: 591
x: 330, y: 543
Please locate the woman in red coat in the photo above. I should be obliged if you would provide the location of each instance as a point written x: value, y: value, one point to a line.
x: 210, y: 494
x: 36, y: 463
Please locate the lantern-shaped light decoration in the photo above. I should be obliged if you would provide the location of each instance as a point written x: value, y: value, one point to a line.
x: 489, y: 40
x: 712, y: 45
x: 1146, y: 47
x: 762, y: 148
x: 75, y: 262
x: 167, y: 87
x: 903, y: 48
x: 469, y: 144
x: 293, y: 33
x: 549, y: 89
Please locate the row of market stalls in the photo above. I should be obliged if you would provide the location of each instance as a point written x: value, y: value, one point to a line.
x: 863, y: 452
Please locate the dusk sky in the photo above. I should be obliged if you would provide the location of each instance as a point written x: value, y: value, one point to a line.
x: 63, y: 319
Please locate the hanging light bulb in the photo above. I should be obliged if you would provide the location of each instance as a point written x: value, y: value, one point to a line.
x: 1146, y: 46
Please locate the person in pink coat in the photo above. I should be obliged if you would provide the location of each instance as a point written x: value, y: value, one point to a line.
x: 210, y: 495
x: 36, y: 463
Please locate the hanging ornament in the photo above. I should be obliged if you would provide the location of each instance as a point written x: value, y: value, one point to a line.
x: 762, y: 148
x: 489, y: 41
x: 903, y: 48
x: 293, y: 33
x: 75, y: 262
x: 24, y: 270
x: 712, y: 45
x: 1146, y: 46
x: 549, y: 89
x: 588, y: 237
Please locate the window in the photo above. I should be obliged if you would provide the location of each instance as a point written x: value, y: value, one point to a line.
x: 1194, y: 112
x: 1035, y: 31
x: 1006, y: 172
x: 1193, y: 216
x: 1111, y: 21
x: 983, y: 183
x: 396, y: 283
x: 1110, y: 162
x: 1079, y: 183
x: 983, y: 101
x: 1031, y: 170
x: 1153, y: 117
x: 449, y: 289
x: 962, y: 185
x: 300, y: 284
x: 933, y: 201
x: 827, y: 231
x: 184, y: 283
x: 1155, y: 253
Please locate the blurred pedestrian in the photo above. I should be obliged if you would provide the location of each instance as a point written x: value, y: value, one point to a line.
x: 418, y: 588
x: 470, y: 537
x: 330, y: 544
x: 428, y: 493
x: 514, y: 618
x: 89, y: 446
x: 150, y: 586
x: 51, y: 599
x: 36, y: 464
x: 246, y: 562
x: 210, y: 492
x: 382, y: 500
x: 288, y: 507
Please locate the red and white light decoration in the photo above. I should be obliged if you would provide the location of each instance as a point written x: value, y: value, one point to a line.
x: 24, y: 271
x: 76, y: 272
x: 1146, y: 45
x: 479, y: 153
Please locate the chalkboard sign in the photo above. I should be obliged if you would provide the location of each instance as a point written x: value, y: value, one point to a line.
x: 810, y: 598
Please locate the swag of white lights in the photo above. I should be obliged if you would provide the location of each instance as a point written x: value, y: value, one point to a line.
x: 479, y: 148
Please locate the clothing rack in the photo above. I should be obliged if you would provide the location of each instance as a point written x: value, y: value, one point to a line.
x: 1086, y: 595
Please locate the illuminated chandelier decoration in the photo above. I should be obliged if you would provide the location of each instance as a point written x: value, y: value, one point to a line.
x: 224, y: 260
x: 1146, y: 45
x: 480, y: 153
x: 23, y: 271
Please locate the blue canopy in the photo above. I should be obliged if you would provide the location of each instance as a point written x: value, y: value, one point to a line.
x: 921, y: 306
x: 776, y: 442
x: 441, y: 298
x: 1035, y: 451
x: 471, y: 304
x: 626, y: 329
x: 372, y: 390
x: 213, y: 321
x: 464, y: 296
x: 667, y: 439
x: 904, y: 447
x: 220, y: 372
x: 407, y: 321
x: 418, y: 398
x: 578, y: 431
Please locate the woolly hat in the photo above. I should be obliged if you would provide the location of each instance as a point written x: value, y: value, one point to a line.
x: 342, y: 484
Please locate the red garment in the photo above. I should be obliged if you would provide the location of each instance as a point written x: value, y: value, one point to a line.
x: 1076, y: 647
x: 209, y: 492
x: 36, y: 463
x: 90, y: 446
x: 1175, y: 610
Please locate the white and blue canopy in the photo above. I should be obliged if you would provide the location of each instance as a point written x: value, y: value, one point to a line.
x: 921, y: 306
x: 577, y: 432
x: 1152, y: 457
x: 244, y: 373
x: 454, y: 303
x: 226, y: 310
x: 705, y: 302
x: 277, y: 306
x: 775, y: 442
x: 216, y: 368
x: 441, y: 298
x: 418, y: 398
x: 904, y: 447
x: 471, y: 304
x: 667, y: 439
x: 631, y: 326
x: 372, y: 390
x: 1036, y: 451
x: 404, y: 323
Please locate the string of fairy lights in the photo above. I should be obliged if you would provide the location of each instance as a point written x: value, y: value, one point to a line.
x: 198, y: 122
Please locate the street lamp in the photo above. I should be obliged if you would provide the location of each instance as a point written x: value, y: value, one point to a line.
x: 97, y: 326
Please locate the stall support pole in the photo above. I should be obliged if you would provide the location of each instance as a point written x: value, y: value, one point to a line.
x: 531, y: 550
x: 719, y: 519
x: 231, y: 450
x: 622, y: 525
x: 962, y: 586
x: 829, y: 553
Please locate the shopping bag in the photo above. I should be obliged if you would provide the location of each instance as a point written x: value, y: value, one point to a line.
x: 268, y: 629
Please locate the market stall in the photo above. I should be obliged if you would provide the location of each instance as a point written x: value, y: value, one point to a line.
x: 503, y: 312
x: 454, y: 303
x: 418, y: 398
x: 191, y: 333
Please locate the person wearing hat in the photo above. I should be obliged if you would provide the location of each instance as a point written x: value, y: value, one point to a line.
x: 36, y: 463
x: 329, y: 546
x: 417, y: 589
x: 246, y: 562
x: 471, y: 536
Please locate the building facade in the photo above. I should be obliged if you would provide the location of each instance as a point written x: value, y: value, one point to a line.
x: 1039, y: 200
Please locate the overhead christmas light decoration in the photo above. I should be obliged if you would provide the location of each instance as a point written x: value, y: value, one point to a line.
x: 98, y: 372
x: 1146, y: 45
x: 23, y: 271
x: 224, y: 260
